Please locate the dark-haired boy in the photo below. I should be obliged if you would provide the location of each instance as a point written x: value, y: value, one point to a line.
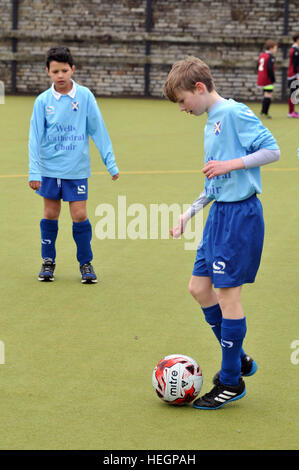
x: 266, y: 74
x: 64, y: 116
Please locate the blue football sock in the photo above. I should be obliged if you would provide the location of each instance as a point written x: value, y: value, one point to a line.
x: 232, y: 335
x: 82, y: 234
x: 213, y: 316
x: 49, y: 230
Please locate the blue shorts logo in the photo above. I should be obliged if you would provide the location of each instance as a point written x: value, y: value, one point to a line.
x: 81, y: 189
x: 218, y: 267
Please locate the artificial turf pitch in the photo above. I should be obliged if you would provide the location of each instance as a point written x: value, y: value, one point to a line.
x: 79, y: 359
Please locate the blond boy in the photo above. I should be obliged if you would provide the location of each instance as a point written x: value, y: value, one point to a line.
x: 236, y: 144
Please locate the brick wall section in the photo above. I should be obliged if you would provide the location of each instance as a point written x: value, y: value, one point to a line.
x: 5, y: 44
x: 235, y: 17
x: 107, y: 39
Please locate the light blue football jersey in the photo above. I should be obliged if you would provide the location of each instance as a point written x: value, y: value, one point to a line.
x: 233, y: 131
x: 60, y: 127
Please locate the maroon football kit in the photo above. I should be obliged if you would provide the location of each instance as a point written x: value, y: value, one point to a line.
x: 266, y: 69
x: 293, y: 70
x: 266, y: 79
x: 293, y: 78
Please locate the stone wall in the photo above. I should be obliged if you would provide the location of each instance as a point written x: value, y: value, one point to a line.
x: 108, y: 42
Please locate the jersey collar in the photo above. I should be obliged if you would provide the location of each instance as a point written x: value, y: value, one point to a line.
x: 71, y: 93
x: 216, y: 104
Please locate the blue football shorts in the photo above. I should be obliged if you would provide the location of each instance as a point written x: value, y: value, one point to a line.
x: 67, y: 190
x: 231, y: 247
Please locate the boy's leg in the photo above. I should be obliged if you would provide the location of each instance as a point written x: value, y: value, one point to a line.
x: 82, y: 231
x: 75, y: 191
x: 49, y: 228
x: 291, y: 106
x: 201, y: 289
x: 233, y: 331
x: 263, y: 111
x: 266, y: 102
x: 230, y: 386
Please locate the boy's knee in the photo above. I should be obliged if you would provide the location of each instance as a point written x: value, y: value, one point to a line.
x: 192, y: 288
x: 198, y: 290
x: 51, y: 213
x: 79, y: 217
x: 229, y: 295
x: 52, y: 208
x: 225, y: 300
x: 230, y: 301
x: 78, y: 212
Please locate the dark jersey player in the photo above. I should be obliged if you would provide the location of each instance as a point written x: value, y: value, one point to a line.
x: 266, y: 75
x: 293, y: 76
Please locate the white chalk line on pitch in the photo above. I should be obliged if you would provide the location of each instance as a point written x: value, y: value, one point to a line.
x: 157, y: 172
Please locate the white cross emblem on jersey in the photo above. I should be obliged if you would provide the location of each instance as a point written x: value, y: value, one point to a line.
x: 75, y: 105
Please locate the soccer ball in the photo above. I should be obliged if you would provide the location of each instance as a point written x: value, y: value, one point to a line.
x: 177, y: 379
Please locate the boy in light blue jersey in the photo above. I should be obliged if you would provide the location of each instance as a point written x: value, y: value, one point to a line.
x: 64, y: 116
x: 236, y: 144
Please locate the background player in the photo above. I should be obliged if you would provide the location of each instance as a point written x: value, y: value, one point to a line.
x: 235, y: 144
x: 64, y: 116
x: 266, y: 74
x: 293, y: 75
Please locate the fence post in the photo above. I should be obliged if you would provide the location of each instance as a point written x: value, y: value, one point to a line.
x: 15, y: 10
x: 147, y: 66
x: 285, y: 50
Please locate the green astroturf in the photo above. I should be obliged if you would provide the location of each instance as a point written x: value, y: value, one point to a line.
x: 79, y: 359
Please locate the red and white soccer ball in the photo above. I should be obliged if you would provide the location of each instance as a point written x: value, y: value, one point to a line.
x: 177, y: 379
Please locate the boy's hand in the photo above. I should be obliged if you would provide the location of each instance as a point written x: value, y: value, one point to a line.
x: 177, y: 231
x: 35, y: 185
x: 115, y: 177
x: 215, y: 168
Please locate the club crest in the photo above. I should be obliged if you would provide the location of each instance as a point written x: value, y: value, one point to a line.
x: 217, y: 127
x: 75, y: 105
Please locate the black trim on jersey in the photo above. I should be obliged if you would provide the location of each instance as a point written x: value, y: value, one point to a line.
x: 270, y: 68
x: 295, y: 59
